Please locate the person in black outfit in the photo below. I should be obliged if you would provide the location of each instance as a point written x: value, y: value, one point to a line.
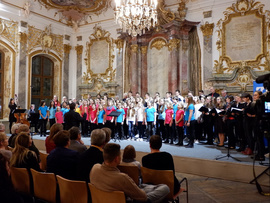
x: 72, y: 118
x: 158, y: 160
x: 62, y: 161
x: 91, y: 156
x: 12, y: 106
x: 213, y: 93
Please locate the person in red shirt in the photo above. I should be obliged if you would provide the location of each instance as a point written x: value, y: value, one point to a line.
x: 85, y: 115
x: 59, y: 115
x: 179, y: 119
x: 93, y: 117
x: 168, y: 123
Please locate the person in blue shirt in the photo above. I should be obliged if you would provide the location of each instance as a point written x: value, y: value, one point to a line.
x: 190, y: 121
x: 100, y: 116
x: 150, y: 119
x: 52, y: 111
x: 120, y: 120
x: 43, y: 117
x: 161, y: 118
x: 175, y: 108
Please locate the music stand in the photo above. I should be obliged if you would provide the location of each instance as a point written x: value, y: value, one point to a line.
x: 19, y: 110
x: 115, y: 114
x: 228, y: 155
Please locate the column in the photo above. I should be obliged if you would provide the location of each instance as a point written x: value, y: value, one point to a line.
x: 22, y: 71
x: 173, y: 66
x: 67, y: 49
x: 133, y: 68
x: 184, y: 76
x: 144, y: 81
x: 79, y: 50
x: 119, y: 67
x: 207, y: 30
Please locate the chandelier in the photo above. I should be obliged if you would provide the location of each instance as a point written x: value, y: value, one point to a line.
x: 134, y: 16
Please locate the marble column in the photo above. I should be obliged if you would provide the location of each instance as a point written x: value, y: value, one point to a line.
x: 144, y: 84
x: 173, y: 67
x: 79, y: 50
x: 133, y: 68
x: 22, y: 71
x: 184, y: 65
x: 119, y: 67
x: 67, y: 49
x: 207, y: 30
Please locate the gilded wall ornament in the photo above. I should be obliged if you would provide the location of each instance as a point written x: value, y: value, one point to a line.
x: 164, y: 16
x: 207, y: 29
x: 173, y: 44
x: 9, y: 30
x: 144, y: 49
x: 158, y: 43
x: 242, y: 36
x: 100, y: 59
x: 23, y: 37
x: 134, y: 48
x: 182, y: 9
x: 79, y: 50
x: 119, y: 44
x: 67, y: 48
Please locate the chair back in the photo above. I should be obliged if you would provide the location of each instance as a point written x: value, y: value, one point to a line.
x: 159, y: 177
x: 44, y: 186
x: 43, y: 161
x: 131, y: 171
x: 72, y: 191
x: 100, y: 196
x: 21, y: 180
x: 10, y: 148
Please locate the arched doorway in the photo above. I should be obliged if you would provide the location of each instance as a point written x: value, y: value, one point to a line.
x: 1, y: 83
x: 42, y: 80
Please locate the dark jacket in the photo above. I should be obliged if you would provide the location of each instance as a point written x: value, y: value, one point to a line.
x: 72, y: 118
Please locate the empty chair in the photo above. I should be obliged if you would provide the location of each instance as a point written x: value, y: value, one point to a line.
x: 21, y: 180
x: 44, y: 186
x: 99, y: 196
x: 162, y: 177
x: 72, y: 191
x: 43, y: 161
x: 131, y: 171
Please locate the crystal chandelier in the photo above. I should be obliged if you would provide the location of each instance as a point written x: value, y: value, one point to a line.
x: 134, y: 16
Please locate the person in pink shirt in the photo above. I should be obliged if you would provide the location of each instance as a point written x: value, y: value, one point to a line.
x: 179, y: 120
x: 93, y: 117
x: 109, y: 119
x: 168, y: 123
x: 59, y: 115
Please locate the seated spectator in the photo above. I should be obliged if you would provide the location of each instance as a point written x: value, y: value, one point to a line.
x: 22, y: 157
x: 108, y: 132
x: 49, y: 144
x: 129, y: 156
x: 7, y: 192
x: 3, y: 146
x: 62, y: 161
x: 2, y: 128
x: 14, y: 133
x: 160, y: 160
x: 76, y: 142
x: 91, y: 156
x: 107, y: 177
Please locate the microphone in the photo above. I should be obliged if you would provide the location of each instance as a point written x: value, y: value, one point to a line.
x: 263, y: 78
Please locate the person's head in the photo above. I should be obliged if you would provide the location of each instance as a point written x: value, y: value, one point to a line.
x: 180, y: 105
x: 23, y: 140
x: 64, y: 105
x: 74, y: 133
x: 58, y: 109
x: 161, y: 101
x: 129, y: 93
x: 72, y: 106
x: 129, y: 153
x: 112, y: 154
x: 229, y: 99
x: 155, y: 142
x: 224, y: 93
x: 2, y: 127
x: 177, y: 93
x: 147, y: 95
x: 42, y: 103
x: 169, y: 105
x: 108, y: 133
x: 201, y: 92
x: 168, y: 94
x: 55, y: 98
x: 55, y: 129
x: 98, y: 137
x: 257, y: 95
x: 219, y: 100
x: 212, y: 90
x: 190, y: 100
x: 23, y: 128
x: 61, y: 139
x: 3, y: 140
x: 11, y: 101
x: 14, y: 128
x: 52, y: 104
x: 94, y: 106
x: 64, y: 99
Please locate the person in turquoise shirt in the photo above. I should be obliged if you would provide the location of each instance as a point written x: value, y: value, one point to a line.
x: 190, y: 121
x: 150, y: 119
x: 120, y: 121
x: 43, y: 117
x: 100, y: 116
x: 52, y: 111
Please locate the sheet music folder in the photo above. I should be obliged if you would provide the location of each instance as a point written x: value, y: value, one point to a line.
x: 115, y: 114
x: 19, y: 110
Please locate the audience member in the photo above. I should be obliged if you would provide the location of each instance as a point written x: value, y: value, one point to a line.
x: 76, y: 142
x: 22, y: 156
x: 62, y: 161
x: 160, y: 160
x: 49, y: 144
x: 107, y: 177
x: 92, y: 156
x: 129, y: 156
x: 14, y: 133
x: 7, y: 192
x: 2, y: 127
x: 108, y: 133
x: 3, y: 146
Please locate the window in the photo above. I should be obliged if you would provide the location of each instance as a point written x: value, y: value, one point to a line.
x: 42, y: 80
